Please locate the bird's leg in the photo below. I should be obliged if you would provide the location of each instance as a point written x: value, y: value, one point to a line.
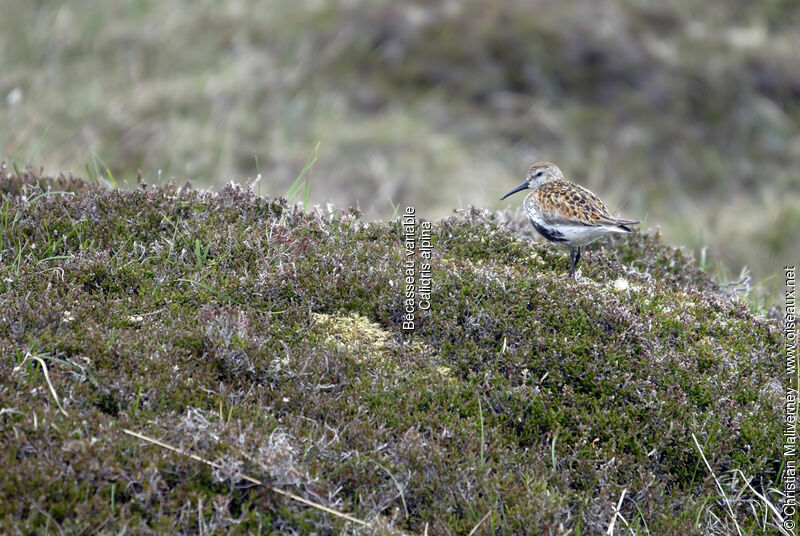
x: 574, y: 260
x: 577, y: 259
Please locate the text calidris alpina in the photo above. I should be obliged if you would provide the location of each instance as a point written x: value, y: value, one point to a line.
x: 565, y: 213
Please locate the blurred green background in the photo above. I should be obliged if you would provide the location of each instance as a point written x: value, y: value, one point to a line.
x: 684, y: 114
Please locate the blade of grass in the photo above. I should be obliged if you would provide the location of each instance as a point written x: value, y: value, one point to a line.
x: 480, y: 413
x: 45, y: 194
x: 395, y: 209
x: 39, y: 360
x: 479, y: 523
x: 295, y: 188
x: 37, y: 144
x: 95, y: 160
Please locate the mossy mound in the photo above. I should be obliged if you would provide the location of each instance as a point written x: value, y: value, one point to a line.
x: 270, y: 340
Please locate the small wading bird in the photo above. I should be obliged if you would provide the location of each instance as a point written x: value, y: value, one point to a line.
x: 565, y: 213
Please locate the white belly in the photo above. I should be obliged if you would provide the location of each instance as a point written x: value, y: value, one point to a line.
x: 582, y: 235
x: 568, y: 233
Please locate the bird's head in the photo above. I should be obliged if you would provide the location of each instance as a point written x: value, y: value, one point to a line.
x: 538, y: 174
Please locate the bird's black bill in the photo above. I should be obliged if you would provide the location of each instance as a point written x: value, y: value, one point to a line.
x: 523, y: 186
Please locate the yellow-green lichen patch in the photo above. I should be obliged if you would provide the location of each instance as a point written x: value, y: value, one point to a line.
x: 354, y: 333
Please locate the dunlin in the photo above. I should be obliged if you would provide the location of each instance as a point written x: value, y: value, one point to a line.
x: 566, y: 213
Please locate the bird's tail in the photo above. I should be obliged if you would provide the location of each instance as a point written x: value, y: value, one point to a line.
x: 621, y: 224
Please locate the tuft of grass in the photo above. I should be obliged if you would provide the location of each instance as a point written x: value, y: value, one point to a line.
x: 302, y: 184
x: 95, y: 169
x: 200, y: 254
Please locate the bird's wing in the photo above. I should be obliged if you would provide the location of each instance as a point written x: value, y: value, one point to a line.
x: 564, y: 202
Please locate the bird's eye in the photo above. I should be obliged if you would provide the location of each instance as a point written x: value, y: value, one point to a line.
x: 540, y: 174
